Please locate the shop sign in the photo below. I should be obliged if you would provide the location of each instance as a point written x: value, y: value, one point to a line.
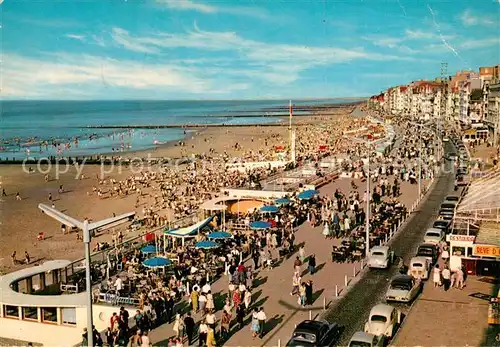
x: 486, y: 251
x: 461, y: 238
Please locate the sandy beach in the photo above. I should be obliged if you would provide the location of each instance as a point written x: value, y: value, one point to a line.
x: 22, y: 221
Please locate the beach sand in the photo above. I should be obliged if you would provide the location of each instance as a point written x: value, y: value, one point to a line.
x: 22, y: 221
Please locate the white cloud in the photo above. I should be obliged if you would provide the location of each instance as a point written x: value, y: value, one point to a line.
x: 75, y: 37
x: 121, y: 37
x: 424, y: 35
x: 468, y: 19
x: 30, y: 77
x: 486, y: 42
x: 188, y: 5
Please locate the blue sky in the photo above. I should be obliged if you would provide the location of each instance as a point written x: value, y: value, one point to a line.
x: 192, y: 49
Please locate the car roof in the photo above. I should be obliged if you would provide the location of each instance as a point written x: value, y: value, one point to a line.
x: 401, y: 278
x: 382, y: 309
x: 430, y: 245
x: 418, y: 260
x: 380, y: 248
x: 441, y: 221
x: 361, y: 336
x: 310, y: 326
x: 435, y: 230
x: 452, y: 197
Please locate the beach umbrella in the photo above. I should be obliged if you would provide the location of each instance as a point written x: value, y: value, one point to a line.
x: 219, y: 235
x: 282, y: 201
x: 260, y: 225
x: 269, y: 209
x: 307, y: 194
x: 157, y: 262
x: 206, y: 245
x: 149, y: 249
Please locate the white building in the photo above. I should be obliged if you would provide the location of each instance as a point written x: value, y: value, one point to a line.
x: 464, y: 95
x: 492, y: 118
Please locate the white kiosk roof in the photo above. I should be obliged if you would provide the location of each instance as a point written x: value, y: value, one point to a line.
x: 9, y: 296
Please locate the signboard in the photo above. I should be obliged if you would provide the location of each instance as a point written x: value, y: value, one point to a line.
x: 486, y: 251
x: 461, y: 238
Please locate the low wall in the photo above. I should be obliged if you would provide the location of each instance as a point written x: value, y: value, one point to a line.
x: 257, y: 194
x: 242, y: 167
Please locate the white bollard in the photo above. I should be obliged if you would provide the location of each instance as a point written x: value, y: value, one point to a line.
x: 241, y: 257
x: 354, y: 271
x: 208, y: 278
x: 345, y: 280
x: 336, y: 290
x: 310, y: 315
x: 387, y: 237
x: 279, y: 343
x: 187, y: 288
x: 324, y: 303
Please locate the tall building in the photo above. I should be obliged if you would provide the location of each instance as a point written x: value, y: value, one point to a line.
x: 492, y: 118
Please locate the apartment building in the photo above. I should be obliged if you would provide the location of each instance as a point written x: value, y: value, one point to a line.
x: 492, y: 117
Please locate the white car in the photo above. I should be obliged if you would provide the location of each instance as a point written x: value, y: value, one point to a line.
x: 381, y: 257
x: 362, y: 339
x: 434, y: 236
x: 384, y: 320
x: 419, y: 268
x: 403, y: 288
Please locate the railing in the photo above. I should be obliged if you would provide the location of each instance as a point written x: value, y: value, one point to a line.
x: 115, y: 300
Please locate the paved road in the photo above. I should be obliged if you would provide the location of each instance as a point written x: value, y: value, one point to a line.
x: 352, y: 310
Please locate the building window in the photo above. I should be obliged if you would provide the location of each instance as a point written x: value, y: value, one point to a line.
x: 11, y: 311
x: 68, y: 316
x: 30, y: 313
x: 49, y: 314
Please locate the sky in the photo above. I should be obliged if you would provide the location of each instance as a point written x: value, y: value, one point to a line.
x: 232, y: 49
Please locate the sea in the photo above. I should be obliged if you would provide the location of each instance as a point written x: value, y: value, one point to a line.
x: 39, y: 129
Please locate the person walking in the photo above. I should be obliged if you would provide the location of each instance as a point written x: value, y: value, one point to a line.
x: 446, y: 274
x: 254, y: 327
x: 202, y: 335
x: 145, y: 341
x: 240, y: 315
x: 261, y: 316
x: 295, y: 283
x: 225, y: 322
x: 194, y: 300
x: 297, y: 264
x: 312, y: 264
x: 190, y: 324
x: 436, y: 276
x: 460, y: 279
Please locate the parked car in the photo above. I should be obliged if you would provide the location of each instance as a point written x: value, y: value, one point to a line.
x: 452, y: 198
x: 428, y: 251
x: 442, y: 224
x: 315, y: 333
x: 362, y: 339
x: 419, y: 268
x: 381, y: 257
x: 434, y: 236
x: 403, y: 288
x: 384, y: 320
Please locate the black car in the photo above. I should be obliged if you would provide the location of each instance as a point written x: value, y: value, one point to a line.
x: 429, y: 251
x: 442, y: 224
x: 315, y: 333
x: 452, y: 198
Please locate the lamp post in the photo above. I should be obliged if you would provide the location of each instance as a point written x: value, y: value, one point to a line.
x: 420, y: 125
x: 87, y: 230
x: 368, y: 177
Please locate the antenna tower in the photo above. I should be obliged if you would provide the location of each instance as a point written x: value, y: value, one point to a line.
x: 444, y: 90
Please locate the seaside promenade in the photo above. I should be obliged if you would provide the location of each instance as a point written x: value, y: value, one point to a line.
x: 272, y: 287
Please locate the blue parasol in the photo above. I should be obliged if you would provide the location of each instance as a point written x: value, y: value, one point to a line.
x: 260, y: 225
x: 149, y: 249
x: 307, y: 194
x: 282, y: 201
x: 269, y: 209
x: 219, y: 235
x: 206, y: 245
x: 157, y: 262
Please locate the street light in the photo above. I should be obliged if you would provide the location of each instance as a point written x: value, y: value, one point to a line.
x: 420, y: 155
x: 367, y: 217
x: 87, y: 229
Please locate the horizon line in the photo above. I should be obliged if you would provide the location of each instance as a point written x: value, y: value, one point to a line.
x: 248, y: 99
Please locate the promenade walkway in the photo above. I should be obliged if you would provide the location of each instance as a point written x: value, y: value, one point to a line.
x: 272, y: 288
